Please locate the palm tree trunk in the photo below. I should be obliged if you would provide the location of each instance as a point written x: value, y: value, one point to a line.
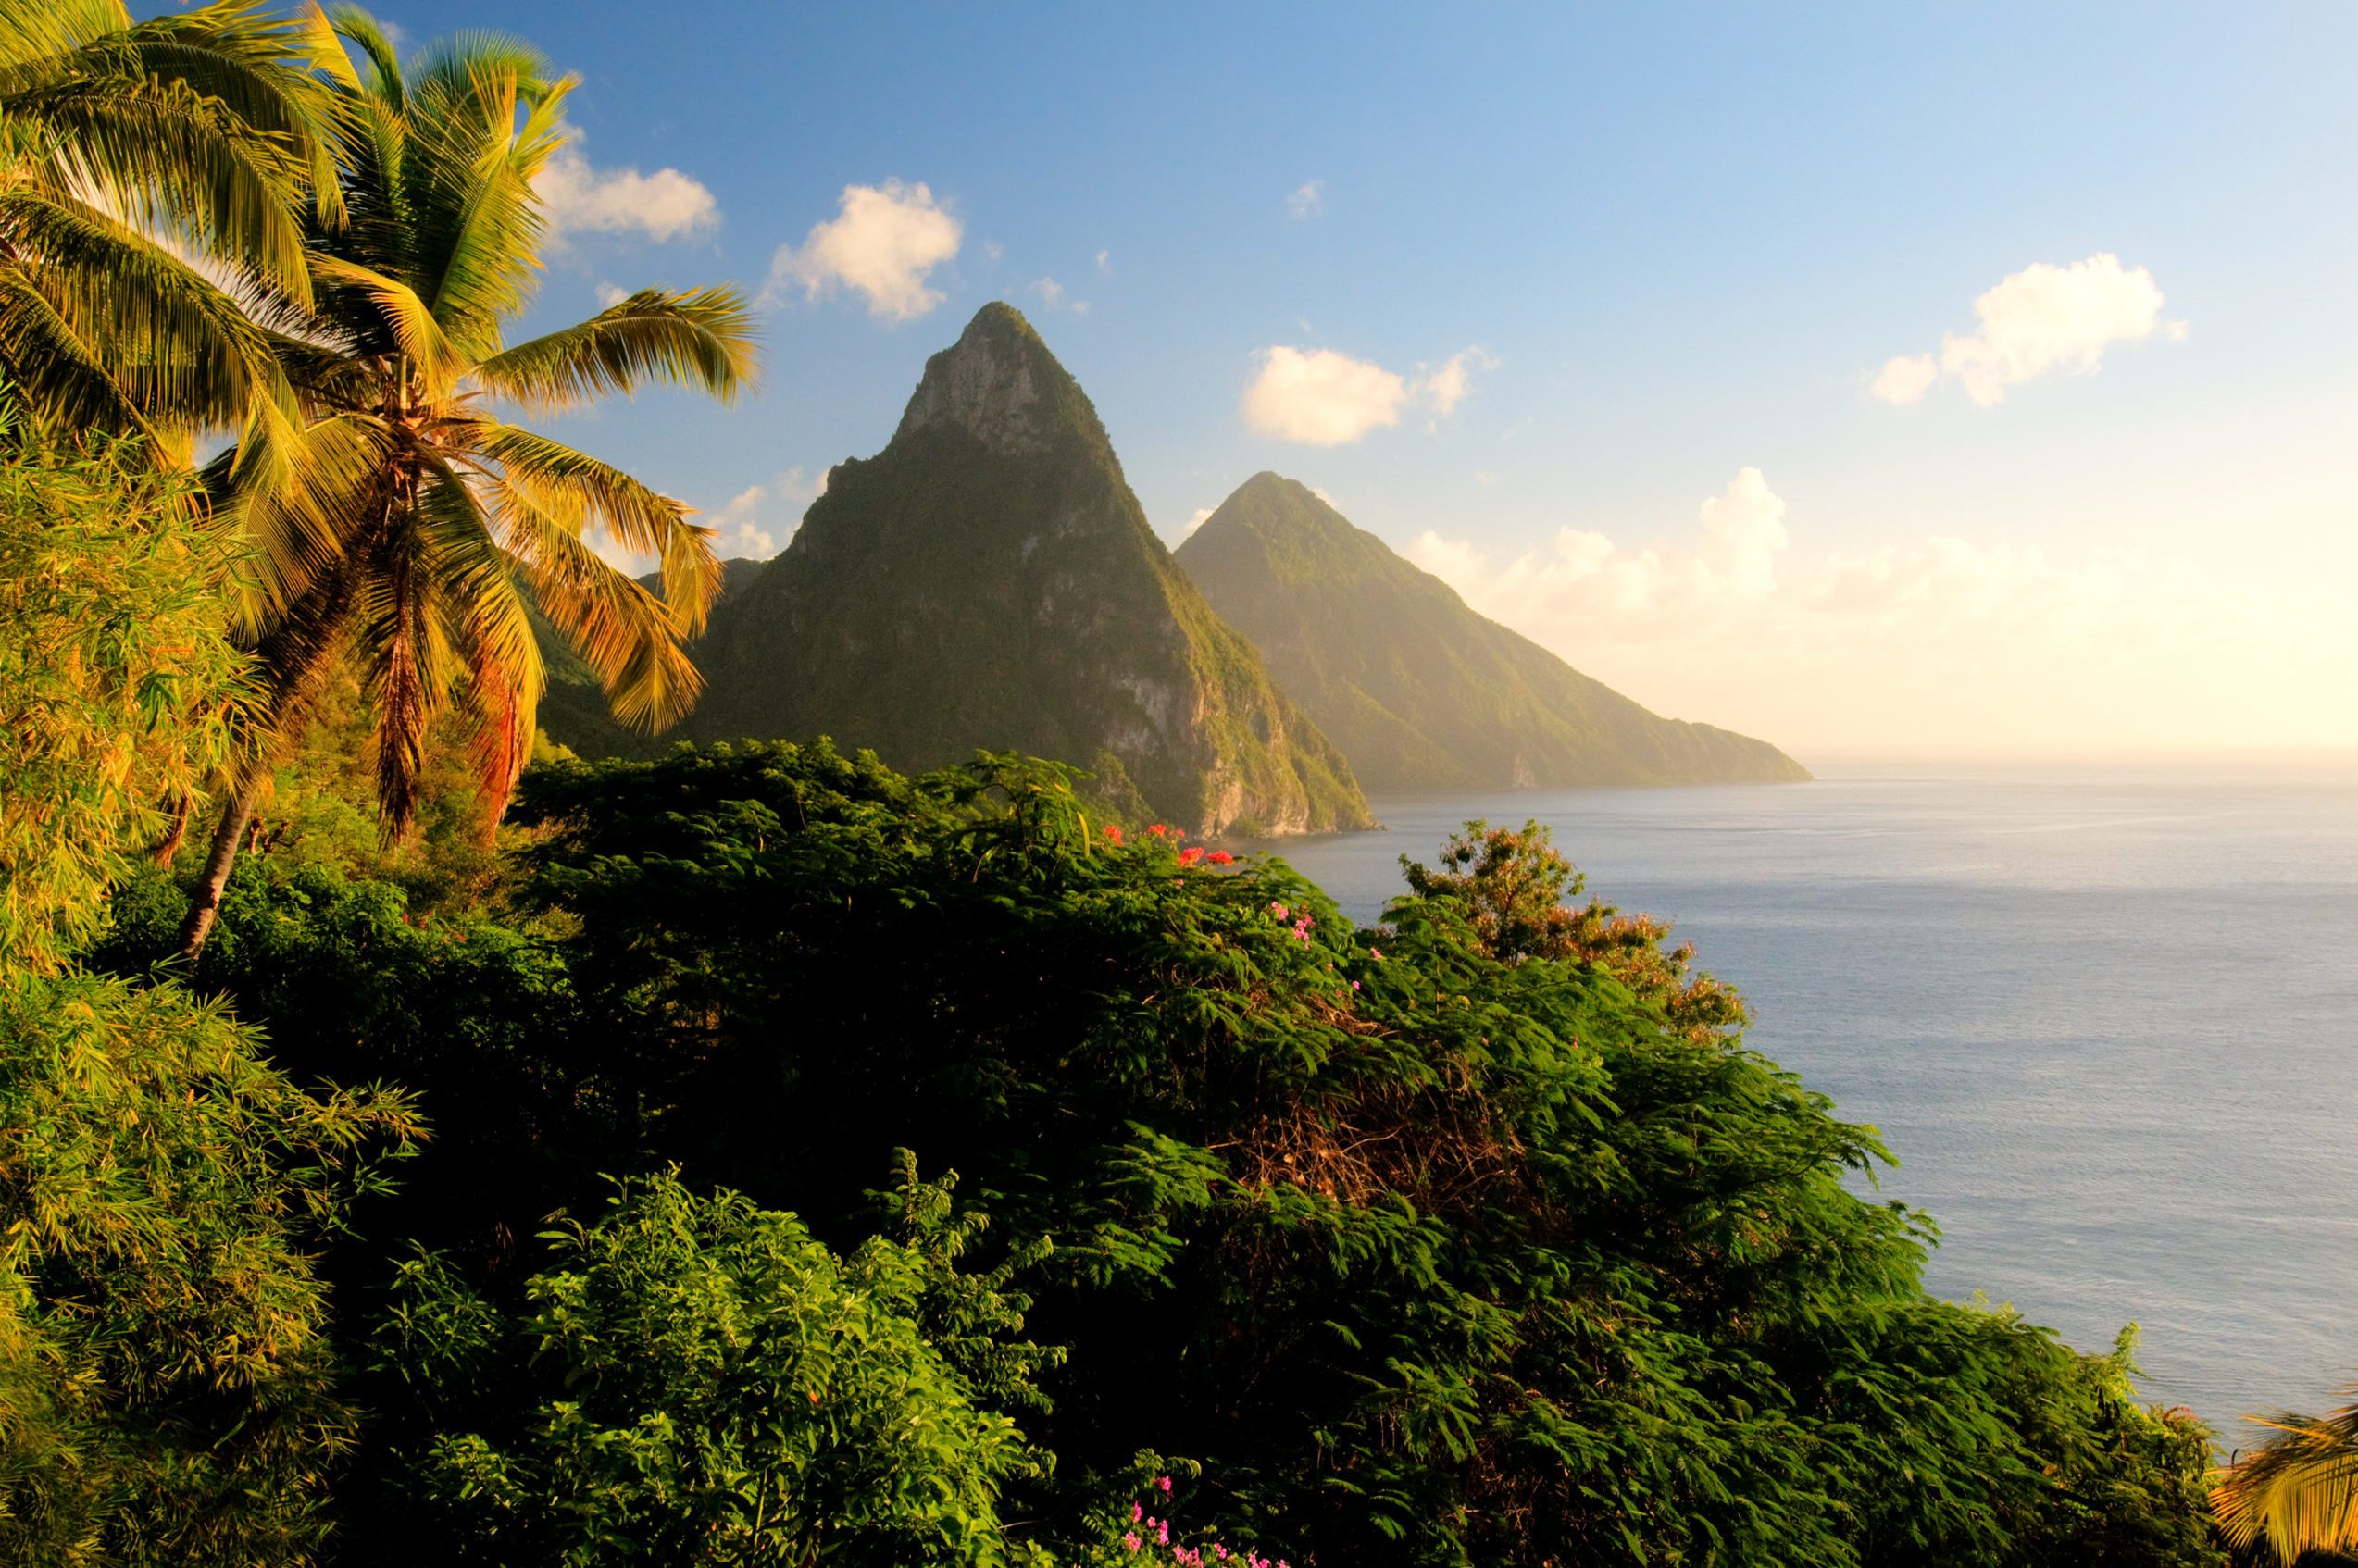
x: 205, y: 904
x: 168, y: 848
x: 294, y: 658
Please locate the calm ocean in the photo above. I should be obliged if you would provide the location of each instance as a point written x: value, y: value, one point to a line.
x: 2107, y: 1018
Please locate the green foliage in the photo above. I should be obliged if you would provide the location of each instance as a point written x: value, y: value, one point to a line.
x: 116, y: 682
x: 1432, y: 1256
x: 166, y: 1391
x: 357, y: 983
x: 696, y: 1380
x: 988, y: 580
x: 1421, y: 693
x: 166, y: 1386
x: 1515, y: 890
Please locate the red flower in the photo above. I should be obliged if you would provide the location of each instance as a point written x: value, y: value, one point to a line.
x: 1219, y: 857
x: 1189, y: 857
x: 1113, y: 833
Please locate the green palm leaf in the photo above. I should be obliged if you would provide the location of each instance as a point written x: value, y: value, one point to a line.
x: 700, y: 338
x: 2299, y: 1493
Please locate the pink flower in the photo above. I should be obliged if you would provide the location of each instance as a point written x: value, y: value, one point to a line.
x: 1137, y: 1513
x: 1377, y: 953
x: 1355, y: 985
x: 1281, y: 911
x: 1163, y: 1533
x: 1130, y: 1540
x: 1164, y: 1482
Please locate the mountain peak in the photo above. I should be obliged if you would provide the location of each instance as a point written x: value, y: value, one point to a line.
x: 988, y: 580
x: 1420, y: 693
x: 999, y: 383
x: 1283, y: 527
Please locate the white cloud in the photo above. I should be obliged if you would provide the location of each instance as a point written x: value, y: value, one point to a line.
x: 1323, y: 398
x: 884, y: 241
x: 737, y: 526
x: 2045, y: 318
x: 1485, y: 477
x: 579, y: 199
x: 1906, y: 378
x: 1105, y: 262
x: 993, y: 250
x: 1195, y: 521
x: 1309, y: 200
x: 1447, y: 387
x: 1932, y: 642
x: 1053, y: 297
x: 611, y: 294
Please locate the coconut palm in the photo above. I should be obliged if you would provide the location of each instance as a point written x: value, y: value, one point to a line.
x: 408, y: 525
x: 129, y: 151
x: 2298, y: 1492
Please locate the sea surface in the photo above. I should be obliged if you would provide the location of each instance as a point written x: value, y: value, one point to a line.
x: 2106, y: 1016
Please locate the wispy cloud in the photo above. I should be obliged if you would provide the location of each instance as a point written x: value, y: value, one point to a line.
x: 1307, y: 199
x: 1054, y: 296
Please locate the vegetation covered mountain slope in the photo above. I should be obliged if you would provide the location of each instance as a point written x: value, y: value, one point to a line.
x: 989, y: 581
x: 1419, y: 692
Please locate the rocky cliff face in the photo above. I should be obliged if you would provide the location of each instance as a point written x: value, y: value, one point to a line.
x: 989, y: 581
x: 1421, y: 693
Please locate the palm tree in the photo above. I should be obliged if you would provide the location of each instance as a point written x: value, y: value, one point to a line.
x: 2299, y: 1493
x: 127, y: 151
x: 407, y: 524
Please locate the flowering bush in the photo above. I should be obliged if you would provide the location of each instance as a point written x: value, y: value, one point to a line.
x: 1143, y: 1534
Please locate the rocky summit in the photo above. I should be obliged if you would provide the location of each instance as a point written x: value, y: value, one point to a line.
x: 989, y: 581
x: 1421, y: 693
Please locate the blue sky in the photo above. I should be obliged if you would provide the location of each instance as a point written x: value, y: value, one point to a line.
x: 1674, y: 247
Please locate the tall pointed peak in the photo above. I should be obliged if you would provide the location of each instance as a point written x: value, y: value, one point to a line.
x: 999, y: 383
x: 1276, y: 513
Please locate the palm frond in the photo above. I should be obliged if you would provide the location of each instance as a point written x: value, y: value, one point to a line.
x: 476, y: 582
x: 411, y: 323
x: 303, y: 507
x: 699, y: 338
x: 177, y: 345
x: 65, y: 377
x: 402, y: 645
x: 362, y: 32
x: 34, y: 33
x: 2298, y: 1492
x: 207, y: 125
x: 624, y: 633
x: 579, y: 491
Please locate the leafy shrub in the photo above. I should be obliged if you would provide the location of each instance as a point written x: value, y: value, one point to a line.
x: 696, y: 1380
x: 166, y: 1383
